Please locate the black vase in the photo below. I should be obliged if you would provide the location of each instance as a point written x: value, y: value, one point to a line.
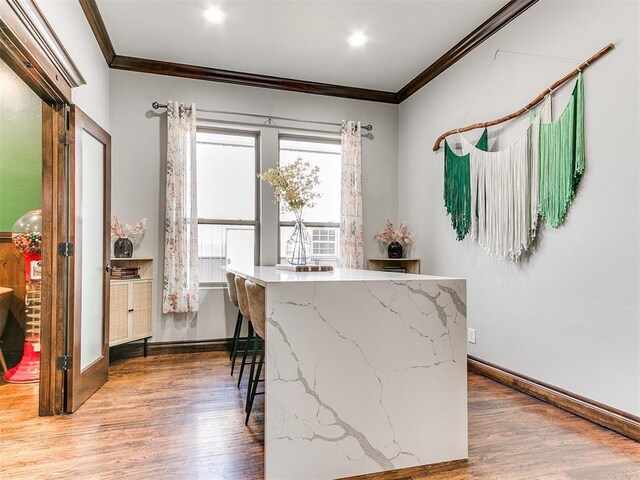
x: 123, y: 248
x: 394, y: 250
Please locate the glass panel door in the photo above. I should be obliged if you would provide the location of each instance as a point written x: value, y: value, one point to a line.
x: 90, y: 199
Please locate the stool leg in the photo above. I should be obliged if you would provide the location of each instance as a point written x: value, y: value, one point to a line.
x: 256, y: 346
x: 236, y: 340
x: 254, y: 388
x: 2, y: 362
x: 246, y: 350
x: 235, y: 335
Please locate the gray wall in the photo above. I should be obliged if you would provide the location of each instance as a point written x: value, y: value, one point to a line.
x: 570, y: 315
x: 70, y: 24
x: 138, y: 136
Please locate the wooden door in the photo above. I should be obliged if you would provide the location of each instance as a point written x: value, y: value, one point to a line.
x: 90, y: 221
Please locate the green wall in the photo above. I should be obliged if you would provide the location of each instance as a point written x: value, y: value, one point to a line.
x: 20, y: 148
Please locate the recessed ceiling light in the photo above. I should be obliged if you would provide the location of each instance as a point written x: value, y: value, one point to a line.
x: 357, y: 39
x: 214, y: 15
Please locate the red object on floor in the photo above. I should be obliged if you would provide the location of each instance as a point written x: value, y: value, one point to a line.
x: 28, y: 370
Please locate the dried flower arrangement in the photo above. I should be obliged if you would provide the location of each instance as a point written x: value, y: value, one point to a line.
x: 294, y: 185
x: 124, y: 230
x: 390, y: 234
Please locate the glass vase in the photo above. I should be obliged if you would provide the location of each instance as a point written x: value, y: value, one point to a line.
x: 299, y: 243
x: 123, y: 248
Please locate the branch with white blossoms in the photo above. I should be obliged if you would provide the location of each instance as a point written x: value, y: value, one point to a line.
x: 135, y: 233
x: 293, y: 184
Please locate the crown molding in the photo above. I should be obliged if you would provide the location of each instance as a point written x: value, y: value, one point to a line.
x: 92, y: 12
x: 134, y: 64
x: 145, y: 65
x: 494, y: 23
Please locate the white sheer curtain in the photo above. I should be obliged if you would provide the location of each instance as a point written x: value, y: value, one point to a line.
x: 351, y: 235
x: 180, y: 285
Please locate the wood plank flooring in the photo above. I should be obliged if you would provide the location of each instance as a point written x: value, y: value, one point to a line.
x: 181, y: 416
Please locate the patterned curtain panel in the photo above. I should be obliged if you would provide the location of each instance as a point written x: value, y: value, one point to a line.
x: 351, y: 236
x: 180, y: 285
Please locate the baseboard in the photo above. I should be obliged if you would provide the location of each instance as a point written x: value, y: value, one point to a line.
x: 603, y: 415
x: 131, y: 350
x: 407, y: 473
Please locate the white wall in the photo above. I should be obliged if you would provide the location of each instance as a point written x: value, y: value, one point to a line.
x: 138, y: 137
x: 570, y: 315
x: 71, y: 26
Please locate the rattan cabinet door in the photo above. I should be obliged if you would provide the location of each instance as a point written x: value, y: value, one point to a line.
x: 141, y: 304
x: 119, y: 313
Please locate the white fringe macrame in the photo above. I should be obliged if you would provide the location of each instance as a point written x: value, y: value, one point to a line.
x: 504, y: 193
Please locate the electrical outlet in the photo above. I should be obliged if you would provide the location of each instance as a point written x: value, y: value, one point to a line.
x: 471, y: 335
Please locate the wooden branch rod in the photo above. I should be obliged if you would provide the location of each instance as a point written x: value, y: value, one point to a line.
x: 588, y: 62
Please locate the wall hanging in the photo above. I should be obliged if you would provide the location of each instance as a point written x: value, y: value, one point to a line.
x: 497, y: 197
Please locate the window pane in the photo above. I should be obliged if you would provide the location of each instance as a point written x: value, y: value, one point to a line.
x: 222, y: 245
x: 326, y: 156
x: 226, y: 176
x: 325, y: 245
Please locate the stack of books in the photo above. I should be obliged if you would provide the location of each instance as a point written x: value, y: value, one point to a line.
x: 392, y: 268
x: 121, y: 273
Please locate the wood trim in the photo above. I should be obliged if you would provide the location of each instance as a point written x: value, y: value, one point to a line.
x: 92, y: 12
x: 494, y: 23
x: 34, y: 52
x: 129, y: 350
x: 421, y: 471
x: 605, y: 416
x: 53, y: 272
x: 144, y: 65
x: 24, y: 24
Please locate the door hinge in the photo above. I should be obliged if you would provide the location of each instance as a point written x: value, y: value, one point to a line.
x: 65, y: 249
x: 64, y: 137
x: 63, y: 362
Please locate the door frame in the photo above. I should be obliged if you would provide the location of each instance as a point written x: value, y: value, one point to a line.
x: 30, y: 47
x: 80, y: 385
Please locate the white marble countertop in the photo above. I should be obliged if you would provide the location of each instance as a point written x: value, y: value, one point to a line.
x: 265, y: 275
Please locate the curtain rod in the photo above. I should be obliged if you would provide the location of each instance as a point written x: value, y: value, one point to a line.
x: 269, y: 118
x: 532, y: 103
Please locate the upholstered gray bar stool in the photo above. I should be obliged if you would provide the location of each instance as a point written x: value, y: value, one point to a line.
x: 256, y: 296
x: 233, y: 297
x: 243, y: 303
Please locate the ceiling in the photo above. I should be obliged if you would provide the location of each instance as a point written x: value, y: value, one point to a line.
x: 299, y: 39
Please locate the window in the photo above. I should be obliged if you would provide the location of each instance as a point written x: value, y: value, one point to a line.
x: 322, y: 220
x: 228, y: 225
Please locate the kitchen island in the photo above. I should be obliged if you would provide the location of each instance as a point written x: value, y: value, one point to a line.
x: 365, y: 371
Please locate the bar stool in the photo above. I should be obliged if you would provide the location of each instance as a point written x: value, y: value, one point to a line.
x: 243, y: 303
x: 233, y: 297
x: 256, y: 296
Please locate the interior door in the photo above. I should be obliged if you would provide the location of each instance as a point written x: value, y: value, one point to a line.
x: 90, y: 220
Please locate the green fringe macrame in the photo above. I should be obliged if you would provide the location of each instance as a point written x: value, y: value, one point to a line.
x: 457, y: 186
x: 562, y: 158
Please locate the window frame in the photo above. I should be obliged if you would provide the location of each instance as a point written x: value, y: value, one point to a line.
x: 228, y: 222
x: 334, y: 140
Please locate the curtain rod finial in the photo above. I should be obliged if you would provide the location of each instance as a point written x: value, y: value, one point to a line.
x: 155, y: 105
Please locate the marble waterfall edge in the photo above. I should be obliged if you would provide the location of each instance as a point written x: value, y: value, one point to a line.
x: 364, y: 376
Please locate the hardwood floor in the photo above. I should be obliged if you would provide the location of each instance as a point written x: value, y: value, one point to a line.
x: 181, y: 416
